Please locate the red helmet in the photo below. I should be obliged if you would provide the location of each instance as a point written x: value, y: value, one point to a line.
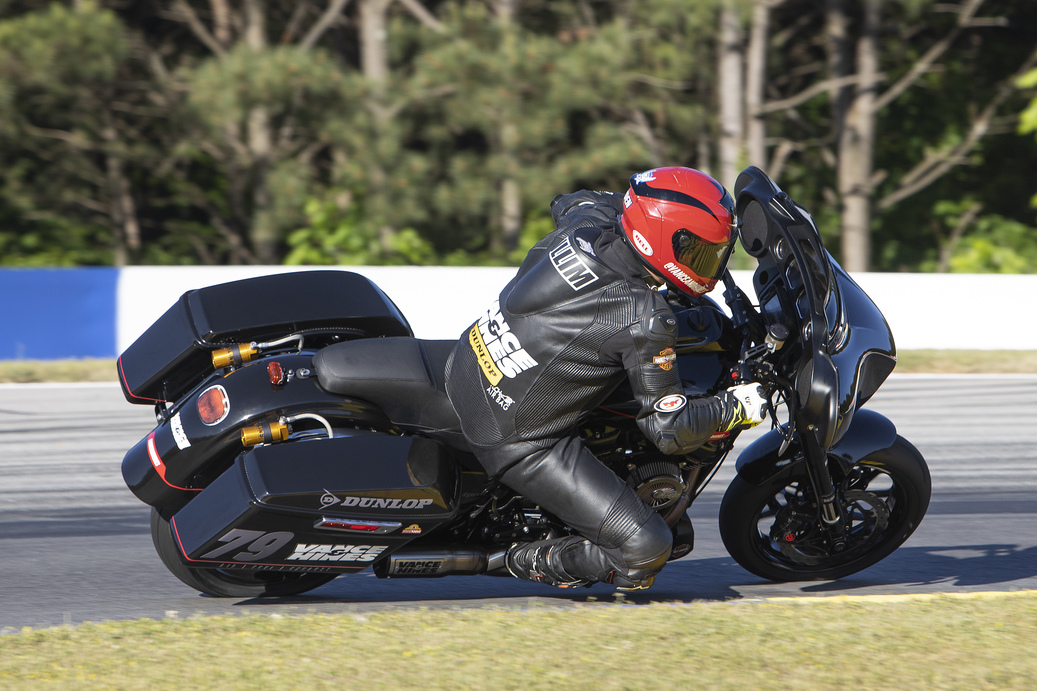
x: 679, y: 222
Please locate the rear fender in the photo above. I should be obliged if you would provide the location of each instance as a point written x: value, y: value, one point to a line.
x: 869, y: 432
x: 165, y: 469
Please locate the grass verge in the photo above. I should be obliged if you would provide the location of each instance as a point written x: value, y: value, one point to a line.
x: 34, y: 371
x: 967, y: 361
x: 930, y: 642
x: 909, y: 361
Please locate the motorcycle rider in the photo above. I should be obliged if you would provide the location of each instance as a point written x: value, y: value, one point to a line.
x: 582, y: 314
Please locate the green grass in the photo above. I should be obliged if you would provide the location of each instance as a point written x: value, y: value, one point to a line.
x: 967, y: 361
x: 912, y: 642
x: 33, y: 371
x: 909, y: 361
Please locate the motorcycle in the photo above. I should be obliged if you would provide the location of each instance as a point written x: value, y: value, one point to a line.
x: 304, y: 433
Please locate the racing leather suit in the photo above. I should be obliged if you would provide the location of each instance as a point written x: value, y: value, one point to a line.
x: 578, y: 318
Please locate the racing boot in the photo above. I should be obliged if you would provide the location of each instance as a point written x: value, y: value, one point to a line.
x: 571, y: 562
x: 541, y: 562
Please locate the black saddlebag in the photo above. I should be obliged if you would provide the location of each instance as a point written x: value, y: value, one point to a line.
x: 174, y: 354
x: 319, y: 505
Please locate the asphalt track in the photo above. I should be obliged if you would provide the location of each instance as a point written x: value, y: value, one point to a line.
x: 74, y: 543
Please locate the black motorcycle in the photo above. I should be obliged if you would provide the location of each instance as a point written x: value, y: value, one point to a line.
x: 304, y: 433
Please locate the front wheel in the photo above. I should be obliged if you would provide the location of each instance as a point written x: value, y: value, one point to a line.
x: 774, y: 530
x: 229, y: 582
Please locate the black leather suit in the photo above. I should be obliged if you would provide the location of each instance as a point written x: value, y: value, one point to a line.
x: 577, y: 319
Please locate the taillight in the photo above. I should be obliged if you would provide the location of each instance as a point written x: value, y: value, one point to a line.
x: 213, y: 405
x: 276, y: 373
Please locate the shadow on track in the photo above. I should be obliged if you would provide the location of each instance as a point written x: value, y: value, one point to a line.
x: 919, y: 569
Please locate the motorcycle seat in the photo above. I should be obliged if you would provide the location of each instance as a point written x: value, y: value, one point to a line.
x: 402, y: 376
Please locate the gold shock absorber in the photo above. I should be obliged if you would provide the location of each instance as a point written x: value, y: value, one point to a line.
x: 235, y: 355
x: 266, y: 433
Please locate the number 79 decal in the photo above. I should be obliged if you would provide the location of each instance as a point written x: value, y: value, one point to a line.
x: 254, y: 544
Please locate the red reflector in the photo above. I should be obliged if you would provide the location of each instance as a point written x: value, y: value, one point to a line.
x: 371, y: 528
x: 378, y: 527
x: 156, y: 460
x: 213, y: 405
x: 276, y: 373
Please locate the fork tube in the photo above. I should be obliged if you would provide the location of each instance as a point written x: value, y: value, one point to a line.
x: 821, y: 479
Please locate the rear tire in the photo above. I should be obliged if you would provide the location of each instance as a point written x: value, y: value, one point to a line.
x: 774, y: 531
x: 227, y: 582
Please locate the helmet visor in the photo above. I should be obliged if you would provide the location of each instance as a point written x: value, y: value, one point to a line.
x: 707, y: 260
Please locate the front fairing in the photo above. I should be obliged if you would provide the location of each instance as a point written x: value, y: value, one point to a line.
x: 840, y: 348
x: 862, y: 351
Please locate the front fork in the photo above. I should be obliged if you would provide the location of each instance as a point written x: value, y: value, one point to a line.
x: 831, y: 512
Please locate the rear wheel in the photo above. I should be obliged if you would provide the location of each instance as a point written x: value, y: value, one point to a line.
x: 774, y: 530
x: 229, y: 582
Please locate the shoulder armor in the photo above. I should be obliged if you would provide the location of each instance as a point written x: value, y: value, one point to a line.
x: 605, y: 204
x: 583, y: 240
x: 663, y: 324
x: 657, y: 322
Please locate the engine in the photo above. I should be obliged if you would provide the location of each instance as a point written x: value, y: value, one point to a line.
x: 657, y: 483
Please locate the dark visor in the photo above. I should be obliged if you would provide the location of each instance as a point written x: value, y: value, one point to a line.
x: 706, y: 260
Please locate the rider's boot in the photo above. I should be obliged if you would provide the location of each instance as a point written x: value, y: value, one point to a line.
x: 541, y: 562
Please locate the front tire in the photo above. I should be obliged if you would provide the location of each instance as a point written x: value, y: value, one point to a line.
x: 774, y: 529
x: 227, y: 582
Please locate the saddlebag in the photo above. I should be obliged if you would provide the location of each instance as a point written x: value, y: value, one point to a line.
x: 320, y: 505
x: 175, y: 353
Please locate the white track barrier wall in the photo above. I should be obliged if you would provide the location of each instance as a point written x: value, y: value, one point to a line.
x: 941, y: 311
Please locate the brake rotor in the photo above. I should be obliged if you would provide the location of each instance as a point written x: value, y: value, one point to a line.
x: 802, y: 539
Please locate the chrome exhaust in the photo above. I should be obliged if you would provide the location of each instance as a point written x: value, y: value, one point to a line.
x: 432, y: 562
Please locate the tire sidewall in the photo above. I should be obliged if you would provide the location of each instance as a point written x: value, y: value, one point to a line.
x: 743, y: 503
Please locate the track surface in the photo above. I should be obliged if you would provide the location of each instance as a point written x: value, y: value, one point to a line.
x: 74, y: 543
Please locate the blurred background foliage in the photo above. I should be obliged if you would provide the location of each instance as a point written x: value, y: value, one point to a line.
x: 438, y: 131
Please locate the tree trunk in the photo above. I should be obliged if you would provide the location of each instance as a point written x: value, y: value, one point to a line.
x: 856, y: 147
x: 840, y: 63
x: 374, y: 61
x: 510, y: 188
x: 374, y: 42
x: 122, y: 210
x: 755, y: 79
x: 730, y: 94
x: 263, y: 232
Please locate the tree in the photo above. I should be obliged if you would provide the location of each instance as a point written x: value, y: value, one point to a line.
x: 70, y: 100
x: 517, y: 117
x: 177, y: 131
x: 259, y: 112
x: 857, y: 110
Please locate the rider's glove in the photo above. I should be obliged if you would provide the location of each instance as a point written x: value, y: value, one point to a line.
x: 750, y: 405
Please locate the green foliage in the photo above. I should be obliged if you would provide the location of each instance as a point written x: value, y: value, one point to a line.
x: 998, y: 245
x: 62, y: 50
x: 235, y: 153
x: 337, y: 236
x: 285, y: 80
x: 57, y: 67
x: 1028, y: 118
x: 52, y: 243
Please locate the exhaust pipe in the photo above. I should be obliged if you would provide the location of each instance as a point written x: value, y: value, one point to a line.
x: 436, y: 562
